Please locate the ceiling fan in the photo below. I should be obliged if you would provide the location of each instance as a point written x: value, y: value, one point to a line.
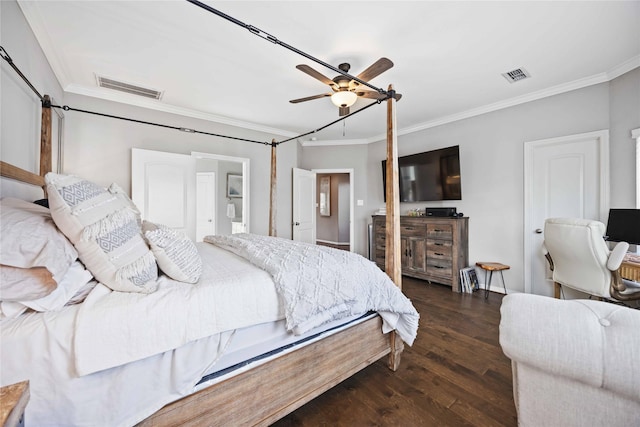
x: 345, y: 90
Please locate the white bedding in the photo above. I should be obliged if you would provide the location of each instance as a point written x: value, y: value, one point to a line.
x: 318, y: 284
x: 114, y: 328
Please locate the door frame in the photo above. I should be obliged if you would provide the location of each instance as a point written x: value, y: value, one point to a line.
x: 350, y: 172
x: 245, y: 180
x: 529, y: 148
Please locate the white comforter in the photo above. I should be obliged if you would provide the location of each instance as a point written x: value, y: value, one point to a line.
x: 319, y: 284
x: 114, y: 328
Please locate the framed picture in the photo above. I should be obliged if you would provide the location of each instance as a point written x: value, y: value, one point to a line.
x: 234, y: 185
x: 325, y: 196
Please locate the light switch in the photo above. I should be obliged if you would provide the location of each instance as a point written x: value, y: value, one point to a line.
x: 360, y: 202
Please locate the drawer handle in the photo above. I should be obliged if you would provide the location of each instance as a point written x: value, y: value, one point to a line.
x: 437, y: 253
x: 438, y: 244
x: 408, y: 228
x: 437, y: 266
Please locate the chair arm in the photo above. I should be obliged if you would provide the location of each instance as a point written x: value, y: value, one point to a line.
x: 617, y: 255
x: 593, y: 342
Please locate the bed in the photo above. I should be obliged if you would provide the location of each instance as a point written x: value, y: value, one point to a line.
x: 206, y: 374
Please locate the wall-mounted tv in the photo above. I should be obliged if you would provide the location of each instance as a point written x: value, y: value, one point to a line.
x: 429, y: 176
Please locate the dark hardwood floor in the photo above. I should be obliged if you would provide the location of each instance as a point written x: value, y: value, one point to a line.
x: 454, y: 375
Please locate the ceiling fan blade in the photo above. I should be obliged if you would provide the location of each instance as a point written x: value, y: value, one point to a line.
x: 375, y: 69
x: 371, y: 94
x: 315, y: 74
x: 309, y: 98
x: 375, y: 95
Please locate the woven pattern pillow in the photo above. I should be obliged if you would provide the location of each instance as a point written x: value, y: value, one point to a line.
x: 176, y: 254
x: 105, y: 231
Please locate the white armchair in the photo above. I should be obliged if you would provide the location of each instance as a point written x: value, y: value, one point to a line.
x: 580, y: 259
x: 574, y: 361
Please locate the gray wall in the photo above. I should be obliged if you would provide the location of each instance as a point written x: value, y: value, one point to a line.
x: 624, y: 113
x: 491, y: 151
x: 491, y: 148
x: 20, y: 109
x: 99, y: 149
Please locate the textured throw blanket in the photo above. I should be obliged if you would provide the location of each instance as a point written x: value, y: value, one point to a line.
x: 319, y: 284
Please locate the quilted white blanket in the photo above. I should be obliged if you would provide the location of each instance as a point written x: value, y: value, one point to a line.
x: 319, y: 284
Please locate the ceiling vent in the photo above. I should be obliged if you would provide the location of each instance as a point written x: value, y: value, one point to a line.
x: 516, y: 75
x: 128, y: 88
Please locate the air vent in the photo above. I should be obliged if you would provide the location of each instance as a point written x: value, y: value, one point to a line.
x: 516, y: 75
x: 128, y: 88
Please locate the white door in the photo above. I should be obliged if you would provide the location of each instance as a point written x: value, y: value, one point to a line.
x: 205, y: 204
x: 304, y: 206
x: 564, y: 177
x: 163, y: 186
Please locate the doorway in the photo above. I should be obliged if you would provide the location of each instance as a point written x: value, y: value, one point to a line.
x: 563, y: 177
x: 334, y: 212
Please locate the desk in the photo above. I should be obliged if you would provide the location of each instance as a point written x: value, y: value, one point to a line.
x: 630, y: 267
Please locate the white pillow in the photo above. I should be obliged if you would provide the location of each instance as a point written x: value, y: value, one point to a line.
x: 77, y: 278
x: 106, y: 232
x: 176, y: 254
x: 30, y: 239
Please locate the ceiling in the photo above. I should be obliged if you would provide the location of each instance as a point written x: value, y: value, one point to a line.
x: 449, y: 56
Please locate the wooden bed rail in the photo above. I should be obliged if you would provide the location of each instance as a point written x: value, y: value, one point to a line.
x: 13, y: 172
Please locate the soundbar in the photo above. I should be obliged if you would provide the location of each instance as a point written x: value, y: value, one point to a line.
x: 442, y: 212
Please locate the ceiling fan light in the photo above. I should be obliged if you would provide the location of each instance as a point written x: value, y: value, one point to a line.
x: 344, y: 98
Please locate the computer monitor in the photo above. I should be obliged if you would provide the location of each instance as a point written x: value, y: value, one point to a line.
x: 624, y: 226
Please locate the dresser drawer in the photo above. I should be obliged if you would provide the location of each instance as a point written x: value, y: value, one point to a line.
x: 439, y: 267
x: 440, y: 231
x: 440, y: 249
x: 411, y: 230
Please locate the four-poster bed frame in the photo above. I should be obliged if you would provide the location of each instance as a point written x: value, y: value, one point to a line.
x: 271, y: 390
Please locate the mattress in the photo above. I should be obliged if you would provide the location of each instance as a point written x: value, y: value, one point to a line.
x: 258, y: 344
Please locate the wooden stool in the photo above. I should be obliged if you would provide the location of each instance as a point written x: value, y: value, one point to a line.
x: 490, y: 267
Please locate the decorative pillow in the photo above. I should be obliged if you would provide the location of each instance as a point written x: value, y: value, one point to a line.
x: 176, y: 254
x: 105, y: 231
x: 30, y: 239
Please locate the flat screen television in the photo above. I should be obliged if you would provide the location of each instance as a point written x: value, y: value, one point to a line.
x: 429, y: 176
x: 623, y: 225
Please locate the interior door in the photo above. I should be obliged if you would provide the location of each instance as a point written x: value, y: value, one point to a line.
x: 564, y: 177
x: 304, y: 206
x: 205, y: 204
x: 163, y: 186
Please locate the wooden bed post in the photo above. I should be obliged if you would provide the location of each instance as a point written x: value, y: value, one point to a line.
x: 272, y: 195
x: 392, y: 240
x: 45, y: 139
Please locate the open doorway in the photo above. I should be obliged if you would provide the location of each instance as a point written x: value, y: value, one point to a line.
x: 334, y: 208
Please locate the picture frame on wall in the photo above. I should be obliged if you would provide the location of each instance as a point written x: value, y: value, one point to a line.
x: 234, y: 185
x: 325, y: 196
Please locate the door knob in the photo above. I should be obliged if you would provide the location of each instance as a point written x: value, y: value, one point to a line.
x: 538, y: 231
x: 296, y: 223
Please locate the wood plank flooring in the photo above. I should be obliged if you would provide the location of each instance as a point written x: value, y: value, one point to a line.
x: 454, y: 375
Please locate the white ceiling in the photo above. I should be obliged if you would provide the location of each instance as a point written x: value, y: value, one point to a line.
x: 448, y: 56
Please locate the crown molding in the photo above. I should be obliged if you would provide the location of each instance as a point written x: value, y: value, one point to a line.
x: 172, y: 109
x: 533, y: 96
